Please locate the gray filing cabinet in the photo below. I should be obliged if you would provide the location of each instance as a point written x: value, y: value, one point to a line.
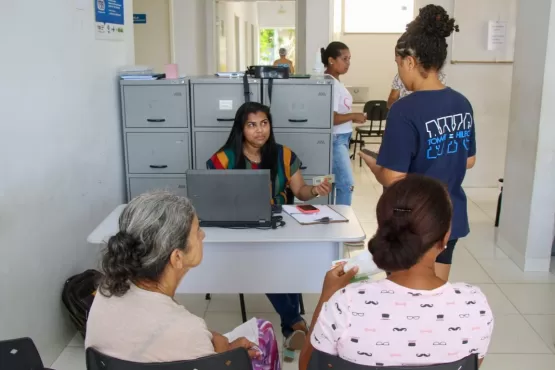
x: 170, y: 126
x: 214, y: 102
x: 156, y: 135
x: 301, y: 110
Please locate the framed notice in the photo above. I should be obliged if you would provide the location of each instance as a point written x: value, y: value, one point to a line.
x: 109, y: 19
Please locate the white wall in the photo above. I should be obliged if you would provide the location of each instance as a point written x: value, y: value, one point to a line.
x: 61, y: 156
x: 319, y: 29
x: 488, y: 87
x: 527, y: 218
x: 188, y: 19
x: 152, y: 40
x: 246, y: 11
x: 269, y: 15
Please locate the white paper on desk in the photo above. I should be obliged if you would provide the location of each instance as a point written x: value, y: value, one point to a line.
x: 248, y: 330
x: 304, y: 218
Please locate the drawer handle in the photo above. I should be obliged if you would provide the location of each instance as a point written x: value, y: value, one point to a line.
x: 302, y: 168
x: 225, y: 119
x: 156, y: 120
x: 158, y: 166
x: 298, y: 120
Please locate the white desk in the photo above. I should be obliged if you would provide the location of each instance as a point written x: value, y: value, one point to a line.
x: 290, y: 259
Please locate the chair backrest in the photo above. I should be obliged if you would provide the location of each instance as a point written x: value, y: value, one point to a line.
x: 320, y: 360
x: 376, y: 110
x: 19, y: 354
x: 238, y: 359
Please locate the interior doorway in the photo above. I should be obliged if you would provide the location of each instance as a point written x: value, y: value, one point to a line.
x: 245, y: 37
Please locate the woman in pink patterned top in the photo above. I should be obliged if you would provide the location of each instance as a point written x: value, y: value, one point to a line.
x: 412, y: 317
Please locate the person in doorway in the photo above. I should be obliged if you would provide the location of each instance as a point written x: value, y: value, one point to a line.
x: 398, y: 89
x: 370, y: 323
x: 252, y: 145
x: 337, y: 59
x: 432, y: 130
x: 283, y: 61
x: 134, y: 316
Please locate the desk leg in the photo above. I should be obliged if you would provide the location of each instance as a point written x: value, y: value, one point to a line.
x: 340, y: 251
x: 243, y: 308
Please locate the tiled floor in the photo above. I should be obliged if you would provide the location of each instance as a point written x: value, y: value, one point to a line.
x: 523, y: 303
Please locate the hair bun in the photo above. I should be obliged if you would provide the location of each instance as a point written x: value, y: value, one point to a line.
x: 323, y: 56
x: 433, y: 20
x: 394, y: 244
x: 121, y: 262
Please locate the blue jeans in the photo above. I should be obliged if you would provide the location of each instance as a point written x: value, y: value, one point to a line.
x: 288, y: 306
x: 341, y: 168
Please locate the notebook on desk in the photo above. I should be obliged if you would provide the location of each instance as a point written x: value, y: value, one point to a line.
x: 326, y: 215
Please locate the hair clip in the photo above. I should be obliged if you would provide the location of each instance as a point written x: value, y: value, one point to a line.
x: 402, y: 210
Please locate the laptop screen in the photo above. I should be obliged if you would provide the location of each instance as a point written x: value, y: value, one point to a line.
x: 230, y: 196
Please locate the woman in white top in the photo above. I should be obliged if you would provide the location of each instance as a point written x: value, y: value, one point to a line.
x: 337, y: 59
x: 134, y: 316
x: 413, y: 317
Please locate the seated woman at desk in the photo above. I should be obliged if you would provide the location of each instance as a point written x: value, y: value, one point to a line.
x: 413, y: 317
x: 134, y: 316
x: 251, y: 145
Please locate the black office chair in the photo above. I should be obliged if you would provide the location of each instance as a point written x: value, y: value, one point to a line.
x: 238, y: 359
x: 320, y: 360
x: 20, y: 354
x: 376, y: 112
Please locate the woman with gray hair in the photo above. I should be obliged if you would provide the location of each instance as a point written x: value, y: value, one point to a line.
x: 283, y: 61
x: 135, y: 317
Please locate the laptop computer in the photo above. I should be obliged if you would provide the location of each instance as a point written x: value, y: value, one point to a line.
x: 359, y: 93
x: 231, y: 198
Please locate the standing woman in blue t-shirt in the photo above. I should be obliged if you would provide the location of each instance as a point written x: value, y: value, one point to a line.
x: 431, y: 131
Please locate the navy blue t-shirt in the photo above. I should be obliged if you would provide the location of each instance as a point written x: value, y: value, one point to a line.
x: 432, y: 133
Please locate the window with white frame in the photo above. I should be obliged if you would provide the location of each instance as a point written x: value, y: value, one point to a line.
x: 377, y: 16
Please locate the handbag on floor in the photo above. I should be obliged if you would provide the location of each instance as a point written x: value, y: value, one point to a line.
x: 78, y: 296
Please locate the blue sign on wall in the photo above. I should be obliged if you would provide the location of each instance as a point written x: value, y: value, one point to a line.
x: 110, y: 19
x: 139, y: 18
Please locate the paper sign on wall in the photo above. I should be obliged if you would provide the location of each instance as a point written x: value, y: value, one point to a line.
x: 139, y: 18
x: 109, y: 19
x: 226, y: 104
x: 497, y: 35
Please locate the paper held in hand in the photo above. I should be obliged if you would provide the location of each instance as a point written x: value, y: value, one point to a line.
x: 248, y: 330
x: 320, y: 179
x: 367, y: 269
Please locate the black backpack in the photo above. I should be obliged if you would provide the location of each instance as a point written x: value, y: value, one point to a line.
x: 78, y: 296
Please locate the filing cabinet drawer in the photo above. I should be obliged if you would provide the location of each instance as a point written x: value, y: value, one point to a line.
x: 312, y: 149
x: 140, y: 185
x: 206, y: 144
x: 302, y: 106
x: 215, y: 105
x: 155, y: 106
x: 157, y: 152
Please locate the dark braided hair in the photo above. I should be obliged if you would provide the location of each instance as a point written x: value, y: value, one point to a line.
x: 425, y: 37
